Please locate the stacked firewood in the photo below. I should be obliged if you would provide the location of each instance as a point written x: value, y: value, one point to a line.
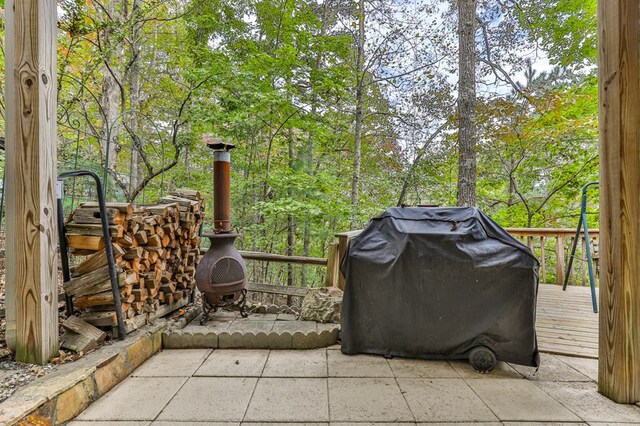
x: 156, y: 252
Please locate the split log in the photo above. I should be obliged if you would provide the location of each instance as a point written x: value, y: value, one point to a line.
x: 81, y: 336
x: 91, y: 282
x: 78, y: 326
x: 85, y: 242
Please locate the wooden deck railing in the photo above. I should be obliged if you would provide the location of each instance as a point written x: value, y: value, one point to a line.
x: 276, y: 288
x: 559, y: 242
x: 552, y: 247
x: 331, y: 274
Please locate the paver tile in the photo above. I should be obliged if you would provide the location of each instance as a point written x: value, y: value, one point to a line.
x: 586, y: 366
x: 369, y: 424
x: 220, y: 399
x: 294, y: 326
x: 403, y: 367
x: 612, y: 424
x: 502, y: 371
x: 107, y: 423
x: 234, y: 363
x: 551, y: 369
x: 262, y: 317
x: 136, y: 398
x: 443, y: 400
x: 287, y: 424
x: 584, y: 400
x: 367, y: 399
x: 341, y: 365
x: 542, y: 424
x: 310, y: 363
x: 211, y: 326
x: 175, y: 423
x: 289, y: 400
x: 243, y: 325
x: 173, y: 363
x: 464, y: 424
x: 520, y: 400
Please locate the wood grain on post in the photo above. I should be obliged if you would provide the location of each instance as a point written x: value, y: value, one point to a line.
x: 31, y: 176
x: 619, y: 108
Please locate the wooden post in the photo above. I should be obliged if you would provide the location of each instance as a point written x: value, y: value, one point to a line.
x: 560, y: 260
x: 31, y: 176
x: 333, y: 266
x: 619, y: 104
x: 543, y: 263
x: 343, y: 244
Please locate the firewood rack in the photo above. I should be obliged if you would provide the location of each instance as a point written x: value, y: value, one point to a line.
x: 64, y: 255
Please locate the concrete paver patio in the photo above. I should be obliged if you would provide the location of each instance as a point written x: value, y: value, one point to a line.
x: 324, y: 387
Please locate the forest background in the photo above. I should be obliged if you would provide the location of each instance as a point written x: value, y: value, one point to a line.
x: 338, y: 109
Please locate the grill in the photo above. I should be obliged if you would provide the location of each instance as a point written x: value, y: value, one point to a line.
x: 221, y: 275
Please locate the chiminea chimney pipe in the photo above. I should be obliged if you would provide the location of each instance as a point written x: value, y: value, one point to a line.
x: 221, y: 186
x: 221, y: 275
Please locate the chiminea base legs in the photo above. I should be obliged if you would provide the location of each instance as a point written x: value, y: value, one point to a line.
x: 243, y: 304
x: 208, y: 308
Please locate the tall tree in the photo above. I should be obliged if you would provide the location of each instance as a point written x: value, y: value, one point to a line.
x: 467, y: 103
x: 359, y: 111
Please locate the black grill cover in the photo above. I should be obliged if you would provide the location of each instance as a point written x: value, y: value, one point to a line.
x: 435, y: 283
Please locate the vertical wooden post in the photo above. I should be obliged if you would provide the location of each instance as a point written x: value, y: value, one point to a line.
x: 333, y: 266
x: 543, y: 263
x: 31, y: 176
x: 619, y: 105
x: 560, y: 260
x: 343, y: 243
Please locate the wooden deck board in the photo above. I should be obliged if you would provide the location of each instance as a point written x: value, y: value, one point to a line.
x: 565, y: 321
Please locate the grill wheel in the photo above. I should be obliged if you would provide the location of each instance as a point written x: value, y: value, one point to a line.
x: 482, y: 359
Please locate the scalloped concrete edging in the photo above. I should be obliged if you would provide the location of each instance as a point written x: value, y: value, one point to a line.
x: 227, y: 330
x: 65, y: 392
x: 250, y: 340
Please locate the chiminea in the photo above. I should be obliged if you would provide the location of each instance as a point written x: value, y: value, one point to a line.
x: 221, y: 274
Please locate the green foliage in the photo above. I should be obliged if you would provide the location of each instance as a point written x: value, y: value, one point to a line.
x: 566, y: 28
x: 277, y: 78
x: 536, y: 160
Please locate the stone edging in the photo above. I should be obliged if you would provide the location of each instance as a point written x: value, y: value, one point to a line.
x: 180, y: 339
x: 65, y: 392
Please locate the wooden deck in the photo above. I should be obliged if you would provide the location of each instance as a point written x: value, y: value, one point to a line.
x: 565, y: 321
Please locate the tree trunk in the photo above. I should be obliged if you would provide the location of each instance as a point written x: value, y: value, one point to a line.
x: 359, y: 115
x: 466, y: 103
x: 134, y: 96
x: 291, y: 224
x: 111, y: 94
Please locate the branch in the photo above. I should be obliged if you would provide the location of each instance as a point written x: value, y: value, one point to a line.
x: 565, y: 183
x: 495, y: 68
x: 378, y: 80
x: 412, y: 168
